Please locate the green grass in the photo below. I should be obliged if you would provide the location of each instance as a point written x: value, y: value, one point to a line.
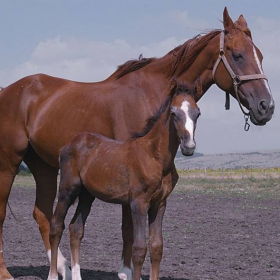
x: 24, y: 181
x: 262, y: 187
x: 268, y: 186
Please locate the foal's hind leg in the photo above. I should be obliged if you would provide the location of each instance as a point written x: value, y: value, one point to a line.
x: 76, y: 230
x: 46, y: 185
x: 68, y: 192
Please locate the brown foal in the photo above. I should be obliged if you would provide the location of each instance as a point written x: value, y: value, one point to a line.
x: 128, y: 173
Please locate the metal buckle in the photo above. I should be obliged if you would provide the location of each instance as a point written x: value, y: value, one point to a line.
x: 237, y: 80
x: 247, y: 125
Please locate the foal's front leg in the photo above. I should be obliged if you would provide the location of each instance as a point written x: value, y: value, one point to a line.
x: 126, y: 270
x: 156, y: 214
x: 139, y: 210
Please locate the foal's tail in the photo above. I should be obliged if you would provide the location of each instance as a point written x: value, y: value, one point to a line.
x: 13, y: 214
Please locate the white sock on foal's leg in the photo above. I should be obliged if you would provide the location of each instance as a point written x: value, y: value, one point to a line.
x: 62, y: 267
x: 126, y: 273
x: 76, y: 272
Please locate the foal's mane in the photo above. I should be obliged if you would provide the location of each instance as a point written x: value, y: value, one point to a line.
x: 181, y: 88
x: 183, y: 56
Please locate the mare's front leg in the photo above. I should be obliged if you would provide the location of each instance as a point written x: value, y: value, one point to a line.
x: 139, y: 210
x: 156, y: 214
x: 77, y: 228
x: 46, y: 187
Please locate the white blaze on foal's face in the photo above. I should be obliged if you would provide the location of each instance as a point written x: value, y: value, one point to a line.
x: 185, y: 113
x: 189, y: 122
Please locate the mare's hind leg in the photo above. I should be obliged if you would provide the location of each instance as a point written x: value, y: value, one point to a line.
x: 9, y: 163
x: 76, y: 230
x: 46, y: 186
x: 6, y: 181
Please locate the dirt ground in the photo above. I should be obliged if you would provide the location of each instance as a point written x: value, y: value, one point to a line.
x: 206, y: 236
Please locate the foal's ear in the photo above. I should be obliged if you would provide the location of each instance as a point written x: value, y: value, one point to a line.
x: 228, y: 23
x: 173, y: 84
x: 198, y: 88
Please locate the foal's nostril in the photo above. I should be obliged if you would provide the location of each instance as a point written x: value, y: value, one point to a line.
x: 263, y: 107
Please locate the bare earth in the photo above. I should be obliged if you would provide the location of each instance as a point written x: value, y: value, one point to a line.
x: 207, y: 235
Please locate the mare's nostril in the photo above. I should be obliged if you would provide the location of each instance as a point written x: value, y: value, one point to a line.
x: 263, y: 107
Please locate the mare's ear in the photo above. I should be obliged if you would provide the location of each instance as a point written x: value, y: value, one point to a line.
x: 242, y: 21
x: 228, y: 23
x: 198, y: 88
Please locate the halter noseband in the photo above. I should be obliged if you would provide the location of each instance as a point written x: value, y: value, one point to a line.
x: 237, y: 79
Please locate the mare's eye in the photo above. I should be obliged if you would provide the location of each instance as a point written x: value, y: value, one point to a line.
x: 237, y: 56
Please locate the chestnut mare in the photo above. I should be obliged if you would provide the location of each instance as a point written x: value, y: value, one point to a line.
x: 39, y: 114
x: 125, y: 172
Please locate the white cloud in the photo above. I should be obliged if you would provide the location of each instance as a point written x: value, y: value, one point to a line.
x: 183, y: 18
x: 82, y: 60
x: 89, y: 60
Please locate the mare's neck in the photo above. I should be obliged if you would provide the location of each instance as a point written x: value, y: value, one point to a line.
x: 157, y: 75
x: 202, y: 66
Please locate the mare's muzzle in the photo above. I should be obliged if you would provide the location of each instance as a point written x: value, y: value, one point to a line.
x: 262, y: 113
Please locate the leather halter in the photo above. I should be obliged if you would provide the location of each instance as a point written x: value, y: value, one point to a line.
x: 237, y: 79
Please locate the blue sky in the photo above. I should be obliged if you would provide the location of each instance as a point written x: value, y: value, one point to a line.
x: 86, y: 40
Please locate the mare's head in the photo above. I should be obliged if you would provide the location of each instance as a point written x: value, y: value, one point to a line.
x: 243, y: 77
x: 185, y: 113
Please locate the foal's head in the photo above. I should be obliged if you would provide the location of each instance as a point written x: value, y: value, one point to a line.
x: 185, y: 113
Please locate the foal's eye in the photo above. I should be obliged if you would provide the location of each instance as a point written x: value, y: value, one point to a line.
x: 237, y: 56
x: 175, y: 117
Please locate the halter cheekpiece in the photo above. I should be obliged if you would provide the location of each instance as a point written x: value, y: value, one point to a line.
x: 237, y: 79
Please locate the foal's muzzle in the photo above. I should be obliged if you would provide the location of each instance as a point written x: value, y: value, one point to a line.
x: 187, y: 150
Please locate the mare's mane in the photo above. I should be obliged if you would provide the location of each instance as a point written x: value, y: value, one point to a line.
x: 183, y: 56
x: 181, y: 88
x: 132, y: 65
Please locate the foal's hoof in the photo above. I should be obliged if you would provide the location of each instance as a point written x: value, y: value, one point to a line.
x: 125, y: 273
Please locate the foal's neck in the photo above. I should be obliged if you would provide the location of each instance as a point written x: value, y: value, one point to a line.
x: 162, y: 140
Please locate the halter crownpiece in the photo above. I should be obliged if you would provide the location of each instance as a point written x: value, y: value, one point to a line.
x: 237, y: 79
